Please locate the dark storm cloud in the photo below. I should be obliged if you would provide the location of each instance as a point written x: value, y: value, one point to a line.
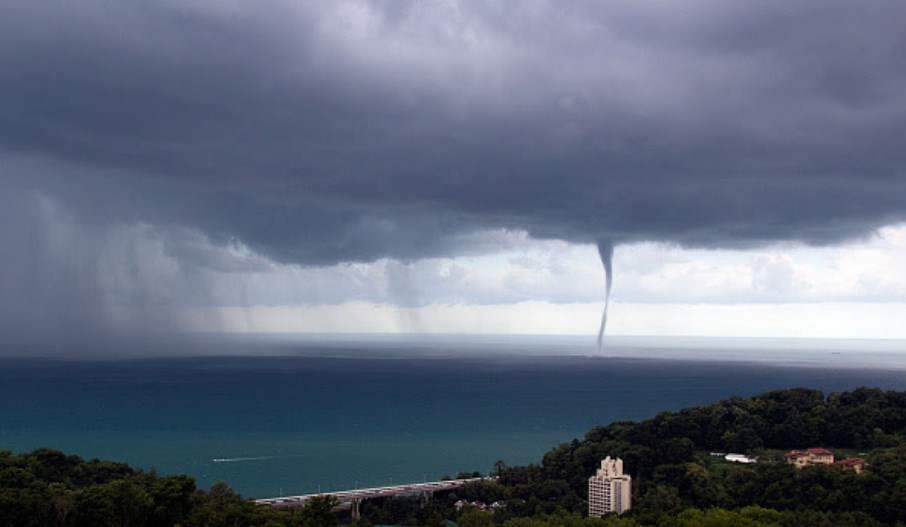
x: 346, y: 131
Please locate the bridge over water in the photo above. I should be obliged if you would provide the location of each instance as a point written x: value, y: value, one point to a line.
x: 350, y: 499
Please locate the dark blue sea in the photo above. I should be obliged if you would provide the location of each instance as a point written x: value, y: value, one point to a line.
x: 283, y: 416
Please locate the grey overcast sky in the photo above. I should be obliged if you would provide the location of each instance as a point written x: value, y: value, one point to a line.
x: 149, y: 149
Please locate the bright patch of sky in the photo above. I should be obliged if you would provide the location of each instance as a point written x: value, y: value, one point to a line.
x: 143, y: 276
x: 852, y: 290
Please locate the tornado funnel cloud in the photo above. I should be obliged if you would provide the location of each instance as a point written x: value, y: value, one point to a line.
x: 605, y: 251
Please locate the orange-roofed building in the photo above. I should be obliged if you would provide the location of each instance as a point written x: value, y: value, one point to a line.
x: 797, y: 458
x: 812, y: 456
x: 820, y: 456
x: 856, y: 464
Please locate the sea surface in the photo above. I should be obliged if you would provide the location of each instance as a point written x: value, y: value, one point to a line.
x: 286, y: 415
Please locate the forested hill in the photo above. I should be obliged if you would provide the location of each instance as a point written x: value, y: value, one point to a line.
x: 675, y: 480
x: 863, y: 419
x: 668, y: 459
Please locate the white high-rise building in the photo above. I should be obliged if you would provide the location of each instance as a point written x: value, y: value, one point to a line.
x: 609, y: 490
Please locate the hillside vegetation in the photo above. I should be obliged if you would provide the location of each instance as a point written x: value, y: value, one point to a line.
x: 668, y: 459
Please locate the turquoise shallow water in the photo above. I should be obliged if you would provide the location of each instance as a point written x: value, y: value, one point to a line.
x: 330, y: 417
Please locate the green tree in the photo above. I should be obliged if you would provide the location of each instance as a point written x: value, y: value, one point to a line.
x: 473, y: 517
x: 318, y: 512
x: 172, y: 498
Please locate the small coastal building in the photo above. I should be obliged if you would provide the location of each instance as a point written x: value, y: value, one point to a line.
x: 797, y: 458
x: 741, y: 458
x: 812, y: 456
x: 820, y: 456
x: 609, y: 490
x: 480, y: 505
x: 856, y: 464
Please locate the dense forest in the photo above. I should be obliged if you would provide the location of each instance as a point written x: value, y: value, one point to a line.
x: 675, y: 480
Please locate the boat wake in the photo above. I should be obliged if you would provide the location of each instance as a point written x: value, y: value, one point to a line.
x: 238, y: 459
